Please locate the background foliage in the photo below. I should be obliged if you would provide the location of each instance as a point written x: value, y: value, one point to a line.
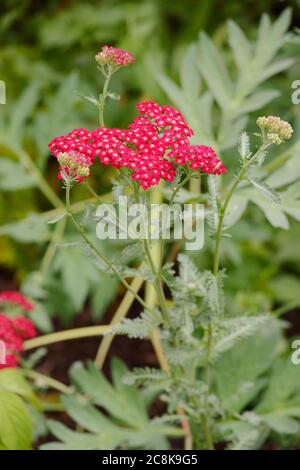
x: 221, y: 79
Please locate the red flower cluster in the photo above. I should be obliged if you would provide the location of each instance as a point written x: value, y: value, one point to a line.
x: 115, y: 56
x: 74, y: 152
x: 15, y: 330
x: 153, y: 145
x: 15, y: 298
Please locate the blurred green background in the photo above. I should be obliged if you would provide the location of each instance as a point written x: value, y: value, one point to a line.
x: 47, y: 51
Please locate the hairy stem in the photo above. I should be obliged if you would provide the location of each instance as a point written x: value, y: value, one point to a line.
x: 156, y: 272
x: 49, y: 255
x: 222, y: 211
x: 103, y: 97
x: 205, y: 421
x: 43, y: 380
x: 121, y: 312
x: 99, y: 255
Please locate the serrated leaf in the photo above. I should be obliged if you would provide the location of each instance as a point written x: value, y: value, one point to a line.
x: 266, y: 190
x: 244, y: 146
x: 233, y: 330
x: 140, y: 327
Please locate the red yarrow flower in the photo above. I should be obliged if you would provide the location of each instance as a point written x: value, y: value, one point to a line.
x: 115, y: 56
x: 153, y: 146
x: 15, y: 298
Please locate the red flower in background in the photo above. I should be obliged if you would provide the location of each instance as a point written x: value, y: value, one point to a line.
x: 15, y: 298
x: 15, y: 330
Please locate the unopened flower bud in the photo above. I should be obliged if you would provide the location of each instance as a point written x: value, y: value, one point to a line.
x: 64, y: 159
x: 276, y: 130
x: 82, y: 170
x: 114, y: 56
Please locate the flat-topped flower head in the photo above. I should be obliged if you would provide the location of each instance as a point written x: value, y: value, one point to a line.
x: 74, y: 154
x: 275, y: 129
x: 155, y: 144
x: 114, y: 56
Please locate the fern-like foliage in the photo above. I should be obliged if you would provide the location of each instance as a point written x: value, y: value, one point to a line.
x: 140, y: 327
x: 230, y: 331
x: 244, y: 147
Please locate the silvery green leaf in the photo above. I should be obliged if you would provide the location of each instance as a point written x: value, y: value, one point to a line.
x: 56, y: 219
x: 244, y: 147
x: 140, y: 327
x: 266, y: 190
x: 114, y: 96
x: 288, y: 172
x: 232, y: 330
x: 213, y: 69
x: 273, y: 213
x: 257, y: 101
x: 189, y: 74
x: 240, y: 45
x: 91, y: 99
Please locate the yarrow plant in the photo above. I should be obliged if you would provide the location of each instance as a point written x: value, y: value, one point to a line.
x: 183, y: 311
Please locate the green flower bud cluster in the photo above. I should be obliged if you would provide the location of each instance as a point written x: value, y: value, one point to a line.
x: 76, y: 167
x: 274, y: 129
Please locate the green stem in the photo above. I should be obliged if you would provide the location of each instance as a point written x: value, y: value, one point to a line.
x: 222, y: 213
x: 156, y: 272
x: 206, y: 429
x: 52, y: 246
x: 99, y: 255
x: 103, y: 98
x: 172, y: 199
x: 224, y: 207
x: 121, y: 312
x: 75, y: 333
x: 42, y: 380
